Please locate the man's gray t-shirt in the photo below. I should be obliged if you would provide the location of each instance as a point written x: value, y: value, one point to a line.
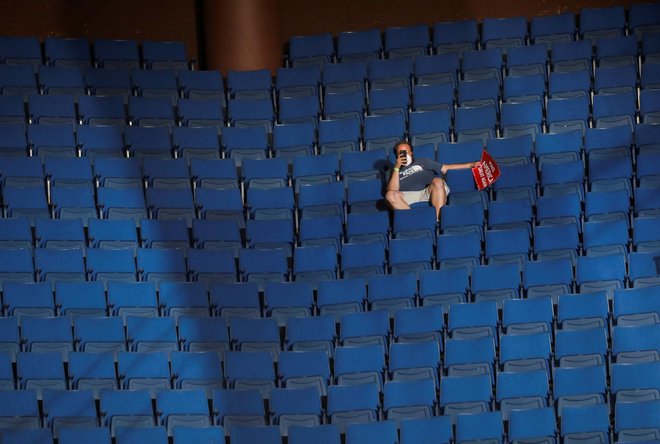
x: 419, y: 174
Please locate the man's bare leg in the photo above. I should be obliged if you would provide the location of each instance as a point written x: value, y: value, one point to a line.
x: 438, y: 195
x: 396, y: 200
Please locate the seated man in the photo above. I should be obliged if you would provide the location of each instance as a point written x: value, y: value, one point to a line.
x: 416, y: 180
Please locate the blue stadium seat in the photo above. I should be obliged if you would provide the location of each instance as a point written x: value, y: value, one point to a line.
x: 456, y: 36
x: 344, y: 77
x: 405, y: 41
x: 247, y: 370
x: 67, y: 52
x: 51, y: 140
x: 521, y: 390
x: 164, y: 233
x: 642, y: 270
x: 253, y: 433
x: 204, y: 334
x: 99, y: 335
x: 340, y: 296
x: 182, y: 408
x: 299, y: 81
x: 235, y: 299
x: 365, y: 328
x: 470, y: 356
x: 148, y: 141
x: 600, y: 273
x: 496, y: 282
x: 202, y: 85
x: 571, y: 56
x: 295, y: 408
x: 151, y: 112
x: 599, y: 23
x: 165, y: 173
x: 110, y: 82
x: 636, y: 420
x: 192, y: 434
x: 359, y: 45
x: 161, y: 265
x: 201, y: 113
x: 546, y: 29
x: 92, y: 371
x: 285, y: 300
x: 582, y: 311
x: 258, y: 335
x: 164, y: 55
x: 539, y: 424
x: 14, y: 140
x: 586, y: 422
x: 69, y: 408
x: 294, y: 139
x: 579, y: 386
x: 17, y: 265
x: 465, y: 394
x: 350, y: 404
x: 28, y: 299
x: 150, y: 335
x: 37, y: 372
x: 124, y: 409
x: 161, y: 83
x: 100, y: 141
x: 18, y: 80
x: 581, y: 348
x: 21, y: 50
x: 75, y: 299
x: 144, y: 371
x: 311, y: 50
x: 116, y: 54
x: 523, y: 353
x: 635, y: 344
x: 52, y: 265
x: 297, y: 369
x: 206, y: 266
x: 130, y: 435
x: 551, y: 277
x: 426, y: 430
x: 437, y: 69
x: 443, y: 287
x: 249, y: 84
x: 132, y: 299
x: 485, y: 426
x: 178, y: 299
x: 176, y: 203
x: 16, y: 233
x: 503, y: 32
x: 323, y: 434
x: 310, y: 333
x: 486, y: 63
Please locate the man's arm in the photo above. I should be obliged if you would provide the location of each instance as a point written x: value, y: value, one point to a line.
x: 393, y: 183
x: 458, y: 166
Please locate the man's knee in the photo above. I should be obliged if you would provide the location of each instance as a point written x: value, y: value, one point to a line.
x: 393, y: 196
x: 438, y: 184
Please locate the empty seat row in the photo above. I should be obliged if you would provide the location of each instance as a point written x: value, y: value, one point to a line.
x: 592, y: 24
x: 108, y: 53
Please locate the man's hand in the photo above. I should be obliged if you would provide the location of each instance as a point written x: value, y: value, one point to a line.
x: 400, y: 161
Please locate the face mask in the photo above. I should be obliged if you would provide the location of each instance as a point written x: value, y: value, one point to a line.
x: 408, y: 159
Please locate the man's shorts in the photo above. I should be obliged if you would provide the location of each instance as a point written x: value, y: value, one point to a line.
x: 412, y: 197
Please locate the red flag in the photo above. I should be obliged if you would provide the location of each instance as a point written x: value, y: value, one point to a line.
x: 486, y: 172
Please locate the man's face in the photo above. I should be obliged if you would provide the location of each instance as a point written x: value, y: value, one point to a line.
x: 404, y: 151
